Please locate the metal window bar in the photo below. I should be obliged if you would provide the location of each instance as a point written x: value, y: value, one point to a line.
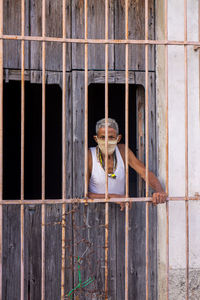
x: 199, y: 53
x: 63, y: 150
x: 167, y: 151
x: 100, y: 41
x: 147, y: 143
x: 126, y: 150
x: 64, y: 201
x: 186, y: 151
x: 1, y: 141
x: 22, y: 145
x: 106, y: 153
x: 96, y: 200
x: 43, y: 148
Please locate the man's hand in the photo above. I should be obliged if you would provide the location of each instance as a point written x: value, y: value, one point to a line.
x: 159, y: 198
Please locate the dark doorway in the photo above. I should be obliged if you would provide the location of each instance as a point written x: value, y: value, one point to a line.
x: 116, y: 111
x: 33, y: 140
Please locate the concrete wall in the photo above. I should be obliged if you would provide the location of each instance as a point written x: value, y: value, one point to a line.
x: 176, y: 90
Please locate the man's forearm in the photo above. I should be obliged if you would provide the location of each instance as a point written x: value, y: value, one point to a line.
x: 96, y: 196
x: 103, y: 196
x: 155, y: 183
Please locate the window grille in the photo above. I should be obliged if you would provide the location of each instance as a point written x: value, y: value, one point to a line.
x: 43, y: 39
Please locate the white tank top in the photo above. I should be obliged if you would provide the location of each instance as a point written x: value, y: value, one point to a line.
x: 97, y: 180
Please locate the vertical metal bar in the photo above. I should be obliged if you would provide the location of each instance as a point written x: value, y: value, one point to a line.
x: 199, y: 55
x: 186, y: 150
x: 126, y: 149
x: 63, y: 151
x: 167, y: 150
x: 1, y: 141
x: 147, y: 145
x: 86, y: 99
x: 43, y: 148
x: 22, y: 146
x: 106, y: 154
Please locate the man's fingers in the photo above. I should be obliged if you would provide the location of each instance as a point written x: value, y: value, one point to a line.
x: 159, y: 198
x: 122, y: 205
x: 154, y: 198
x: 162, y: 199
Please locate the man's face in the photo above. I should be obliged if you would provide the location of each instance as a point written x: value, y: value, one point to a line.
x: 113, y: 139
x: 112, y: 134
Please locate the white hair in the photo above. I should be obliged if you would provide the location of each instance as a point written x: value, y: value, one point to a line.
x: 111, y: 123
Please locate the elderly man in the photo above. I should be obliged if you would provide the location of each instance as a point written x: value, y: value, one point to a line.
x: 116, y: 165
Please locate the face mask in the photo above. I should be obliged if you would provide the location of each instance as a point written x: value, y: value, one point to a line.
x: 111, y: 146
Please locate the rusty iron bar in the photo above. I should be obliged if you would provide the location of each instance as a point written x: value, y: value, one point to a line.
x: 99, y: 41
x: 43, y: 148
x: 126, y: 149
x: 167, y: 150
x: 186, y: 150
x: 106, y: 154
x: 147, y: 144
x: 1, y: 142
x: 86, y: 99
x: 106, y: 96
x: 199, y: 54
x: 22, y: 147
x: 88, y: 201
x: 63, y: 150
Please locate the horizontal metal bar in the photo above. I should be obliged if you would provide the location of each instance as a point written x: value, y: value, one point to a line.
x: 85, y: 201
x: 99, y: 41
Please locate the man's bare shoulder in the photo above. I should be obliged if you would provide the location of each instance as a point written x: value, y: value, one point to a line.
x: 89, y: 154
x: 121, y: 147
x: 89, y: 161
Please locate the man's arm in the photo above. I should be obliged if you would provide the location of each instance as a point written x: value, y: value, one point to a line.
x: 139, y: 167
x: 159, y: 196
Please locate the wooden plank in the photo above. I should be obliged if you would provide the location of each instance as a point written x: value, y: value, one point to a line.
x: 32, y: 239
x: 152, y: 209
x: 135, y: 77
x: 96, y: 29
x: 78, y: 132
x: 12, y: 25
x: 36, y: 30
x: 152, y: 123
x: 140, y: 139
x: 69, y: 274
x: 137, y: 252
x: 112, y: 252
x: 120, y: 246
x: 11, y: 253
x: 136, y: 31
x: 53, y: 251
x: 53, y: 28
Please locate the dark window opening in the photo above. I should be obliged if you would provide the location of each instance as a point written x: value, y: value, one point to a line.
x: 117, y: 111
x: 33, y: 141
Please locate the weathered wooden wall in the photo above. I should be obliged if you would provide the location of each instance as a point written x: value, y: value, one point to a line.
x: 85, y: 227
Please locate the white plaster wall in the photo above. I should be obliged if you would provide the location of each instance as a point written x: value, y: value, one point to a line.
x: 176, y: 90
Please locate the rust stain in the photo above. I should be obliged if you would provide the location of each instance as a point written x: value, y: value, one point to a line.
x: 80, y: 4
x: 80, y: 9
x: 130, y: 2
